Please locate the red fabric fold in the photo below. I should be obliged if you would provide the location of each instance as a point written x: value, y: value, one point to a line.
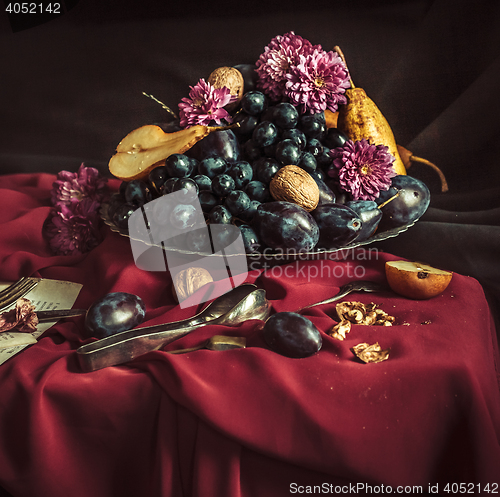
x: 243, y: 422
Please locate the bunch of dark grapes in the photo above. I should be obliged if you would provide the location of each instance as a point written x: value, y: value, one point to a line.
x: 229, y: 172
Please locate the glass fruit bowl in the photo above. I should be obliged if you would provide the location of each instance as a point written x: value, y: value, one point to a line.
x: 269, y: 257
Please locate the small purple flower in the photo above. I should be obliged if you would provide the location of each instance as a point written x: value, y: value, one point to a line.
x: 204, y: 105
x: 74, y: 229
x: 72, y: 187
x: 317, y: 82
x: 275, y: 62
x: 362, y: 169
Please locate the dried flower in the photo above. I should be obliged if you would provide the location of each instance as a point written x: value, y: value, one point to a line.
x: 317, y: 82
x: 22, y: 318
x: 75, y: 230
x: 204, y: 105
x: 275, y: 62
x: 71, y: 187
x: 362, y: 169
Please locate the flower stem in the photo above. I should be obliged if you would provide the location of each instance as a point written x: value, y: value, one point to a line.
x: 168, y: 109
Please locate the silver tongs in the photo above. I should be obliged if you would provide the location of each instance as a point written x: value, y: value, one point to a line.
x: 240, y: 304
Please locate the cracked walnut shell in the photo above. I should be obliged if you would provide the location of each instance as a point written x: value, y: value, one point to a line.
x: 293, y: 184
x: 188, y: 281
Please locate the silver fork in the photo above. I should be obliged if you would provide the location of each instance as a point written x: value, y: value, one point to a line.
x: 21, y: 287
x: 353, y: 286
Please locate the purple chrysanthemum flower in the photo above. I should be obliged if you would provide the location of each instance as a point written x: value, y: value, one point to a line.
x: 362, y: 169
x: 318, y: 82
x: 74, y: 230
x: 72, y: 187
x: 275, y: 62
x: 205, y: 104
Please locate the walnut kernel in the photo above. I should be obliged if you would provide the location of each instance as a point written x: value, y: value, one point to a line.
x: 188, y: 281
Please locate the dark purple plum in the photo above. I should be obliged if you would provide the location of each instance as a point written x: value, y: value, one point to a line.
x: 249, y: 76
x: 338, y: 225
x: 411, y: 203
x: 292, y: 335
x: 287, y: 226
x: 222, y: 143
x: 326, y: 195
x: 370, y: 216
x: 114, y: 313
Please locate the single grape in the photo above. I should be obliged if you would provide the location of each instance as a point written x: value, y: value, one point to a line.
x: 212, y: 166
x: 248, y: 214
x: 168, y: 186
x: 334, y: 138
x: 314, y: 146
x: 265, y: 169
x: 114, y: 313
x: 296, y: 135
x: 257, y: 190
x: 250, y: 150
x: 285, y: 115
x: 307, y: 162
x: 222, y: 185
x: 220, y: 215
x: 250, y: 239
x: 264, y: 134
x: 253, y: 102
x: 246, y: 123
x: 137, y: 193
x: 122, y: 214
x: 189, y: 189
x: 184, y: 216
x: 288, y: 152
x: 207, y: 200
x: 237, y: 201
x: 157, y: 178
x: 204, y: 182
x: 198, y: 241
x: 179, y: 166
x: 292, y: 335
x: 313, y: 125
x: 242, y: 174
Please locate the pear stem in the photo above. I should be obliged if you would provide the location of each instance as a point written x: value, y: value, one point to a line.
x: 168, y: 109
x: 342, y: 56
x: 444, y: 183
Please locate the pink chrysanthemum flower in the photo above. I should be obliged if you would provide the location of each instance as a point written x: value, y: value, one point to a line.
x: 362, y: 169
x: 318, y: 82
x: 275, y: 62
x: 74, y: 230
x: 72, y: 187
x: 204, y: 105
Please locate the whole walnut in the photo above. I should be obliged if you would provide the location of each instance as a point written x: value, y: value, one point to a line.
x: 232, y: 79
x: 293, y: 184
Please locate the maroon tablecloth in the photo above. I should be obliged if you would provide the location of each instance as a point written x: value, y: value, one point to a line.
x: 244, y: 422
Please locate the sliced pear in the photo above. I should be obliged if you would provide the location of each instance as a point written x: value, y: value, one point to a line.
x: 415, y: 280
x: 142, y: 149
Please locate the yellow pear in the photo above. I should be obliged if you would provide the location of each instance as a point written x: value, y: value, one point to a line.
x: 361, y: 118
x: 145, y: 147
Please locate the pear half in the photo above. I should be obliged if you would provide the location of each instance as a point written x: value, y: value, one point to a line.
x: 415, y: 280
x: 143, y: 148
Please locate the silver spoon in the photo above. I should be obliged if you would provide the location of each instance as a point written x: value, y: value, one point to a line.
x: 217, y: 342
x: 353, y: 286
x: 234, y: 307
